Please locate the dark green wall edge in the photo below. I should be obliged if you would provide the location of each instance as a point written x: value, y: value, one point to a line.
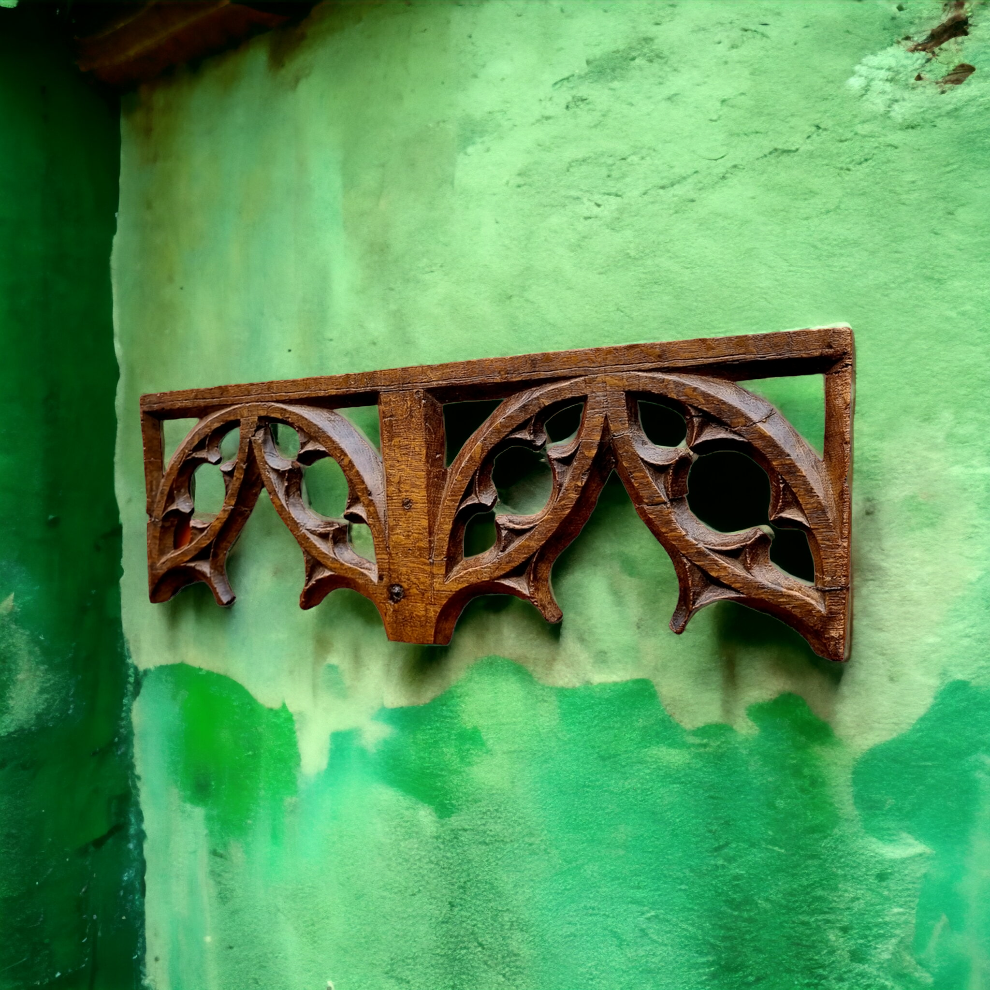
x: 71, y: 910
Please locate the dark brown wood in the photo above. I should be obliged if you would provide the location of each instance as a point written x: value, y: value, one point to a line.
x: 126, y: 43
x: 417, y: 509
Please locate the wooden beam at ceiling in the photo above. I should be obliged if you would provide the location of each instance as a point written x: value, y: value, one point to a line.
x: 135, y: 42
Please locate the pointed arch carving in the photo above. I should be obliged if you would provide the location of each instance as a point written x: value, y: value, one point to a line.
x: 417, y: 509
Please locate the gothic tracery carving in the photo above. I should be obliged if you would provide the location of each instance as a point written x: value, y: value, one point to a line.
x: 417, y: 510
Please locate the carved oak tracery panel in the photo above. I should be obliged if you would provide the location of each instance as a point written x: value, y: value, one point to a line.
x: 417, y: 509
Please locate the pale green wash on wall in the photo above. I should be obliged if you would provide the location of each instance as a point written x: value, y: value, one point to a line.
x: 602, y: 804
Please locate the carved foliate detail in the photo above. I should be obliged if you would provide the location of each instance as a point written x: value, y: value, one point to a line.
x: 526, y: 546
x: 417, y: 510
x: 184, y: 548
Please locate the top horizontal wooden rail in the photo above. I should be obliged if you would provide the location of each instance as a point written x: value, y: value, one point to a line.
x: 736, y: 358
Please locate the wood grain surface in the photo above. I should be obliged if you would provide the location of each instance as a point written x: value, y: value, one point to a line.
x: 417, y: 509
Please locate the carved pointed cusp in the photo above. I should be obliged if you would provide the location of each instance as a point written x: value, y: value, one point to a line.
x: 185, y: 548
x: 330, y: 560
x: 420, y: 579
x: 526, y: 546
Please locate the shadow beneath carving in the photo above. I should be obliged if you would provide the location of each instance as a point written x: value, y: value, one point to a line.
x: 508, y: 609
x: 265, y: 569
x: 194, y: 611
x: 613, y: 517
x: 739, y: 629
x: 344, y: 607
x: 488, y: 625
x: 423, y: 664
x: 195, y: 603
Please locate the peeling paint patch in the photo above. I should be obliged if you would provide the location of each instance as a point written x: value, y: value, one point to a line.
x: 955, y: 24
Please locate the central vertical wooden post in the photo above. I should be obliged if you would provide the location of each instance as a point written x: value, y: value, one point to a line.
x: 413, y: 456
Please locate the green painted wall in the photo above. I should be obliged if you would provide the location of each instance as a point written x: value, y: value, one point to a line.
x: 70, y: 855
x: 602, y: 804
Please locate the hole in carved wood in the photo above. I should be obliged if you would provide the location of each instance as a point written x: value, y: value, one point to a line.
x: 460, y: 420
x: 564, y: 424
x: 207, y: 489
x: 523, y: 480
x: 174, y: 431
x: 286, y: 439
x: 231, y: 442
x: 729, y: 491
x: 479, y: 534
x: 522, y: 476
x: 801, y: 399
x: 662, y: 424
x: 362, y: 541
x: 365, y: 418
x: 326, y: 488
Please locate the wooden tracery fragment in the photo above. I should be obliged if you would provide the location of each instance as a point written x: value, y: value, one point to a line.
x: 417, y: 509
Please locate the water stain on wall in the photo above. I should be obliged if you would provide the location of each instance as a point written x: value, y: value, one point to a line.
x: 438, y: 181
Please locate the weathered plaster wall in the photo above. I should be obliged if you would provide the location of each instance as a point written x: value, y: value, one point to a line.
x: 70, y: 855
x: 401, y: 183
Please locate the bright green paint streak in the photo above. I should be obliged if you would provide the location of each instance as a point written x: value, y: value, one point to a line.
x: 230, y: 753
x: 546, y: 838
x: 70, y: 860
x: 933, y: 783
